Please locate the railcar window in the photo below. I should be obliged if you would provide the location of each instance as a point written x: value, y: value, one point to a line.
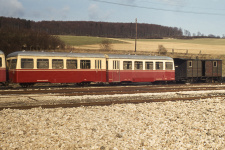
x: 138, y: 65
x: 85, y: 64
x: 149, y: 65
x: 27, y: 63
x: 127, y: 65
x: 71, y: 64
x: 189, y: 63
x: 42, y: 63
x: 116, y: 64
x: 98, y: 64
x: 0, y: 61
x: 215, y: 64
x: 57, y: 63
x: 159, y: 65
x: 169, y: 65
x: 12, y: 64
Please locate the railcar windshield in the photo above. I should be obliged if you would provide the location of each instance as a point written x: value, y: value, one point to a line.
x: 11, y: 64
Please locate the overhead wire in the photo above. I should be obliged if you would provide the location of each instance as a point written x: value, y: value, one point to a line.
x: 178, y: 5
x: 159, y: 9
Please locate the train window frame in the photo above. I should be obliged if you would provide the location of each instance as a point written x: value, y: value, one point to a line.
x: 159, y: 65
x: 98, y: 64
x: 27, y: 63
x: 170, y: 67
x: 127, y: 65
x: 116, y: 64
x: 138, y: 65
x: 190, y: 63
x: 45, y: 63
x: 71, y: 63
x: 0, y: 61
x: 57, y: 64
x: 214, y: 63
x: 149, y: 65
x: 85, y: 64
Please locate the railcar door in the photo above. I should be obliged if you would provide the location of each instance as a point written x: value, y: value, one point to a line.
x: 113, y: 71
x: 116, y: 71
x: 98, y: 70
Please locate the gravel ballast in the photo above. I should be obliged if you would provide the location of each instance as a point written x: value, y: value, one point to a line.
x: 195, y: 124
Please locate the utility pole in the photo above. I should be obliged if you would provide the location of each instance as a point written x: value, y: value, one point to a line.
x: 136, y: 36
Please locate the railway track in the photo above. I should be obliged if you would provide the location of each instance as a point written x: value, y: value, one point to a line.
x: 54, y: 97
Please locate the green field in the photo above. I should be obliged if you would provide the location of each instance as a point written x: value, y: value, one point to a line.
x: 85, y: 40
x: 88, y: 40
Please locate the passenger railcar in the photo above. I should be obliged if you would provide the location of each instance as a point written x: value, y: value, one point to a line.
x: 196, y: 70
x: 136, y: 68
x: 2, y: 68
x: 28, y: 68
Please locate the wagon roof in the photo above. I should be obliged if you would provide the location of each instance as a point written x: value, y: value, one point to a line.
x: 114, y: 56
x: 54, y: 54
x: 184, y: 59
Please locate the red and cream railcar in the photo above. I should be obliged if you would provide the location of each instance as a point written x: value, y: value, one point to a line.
x: 2, y: 68
x: 134, y: 68
x: 28, y: 68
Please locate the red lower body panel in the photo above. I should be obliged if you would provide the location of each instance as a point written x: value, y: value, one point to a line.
x: 140, y: 76
x: 2, y: 75
x: 57, y: 76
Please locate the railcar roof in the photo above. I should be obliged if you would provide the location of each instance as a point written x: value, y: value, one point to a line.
x: 54, y: 54
x: 114, y: 56
x: 88, y: 55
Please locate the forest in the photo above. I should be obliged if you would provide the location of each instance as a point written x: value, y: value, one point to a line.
x: 89, y: 28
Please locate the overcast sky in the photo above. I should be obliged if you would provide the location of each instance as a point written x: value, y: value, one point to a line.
x: 205, y: 16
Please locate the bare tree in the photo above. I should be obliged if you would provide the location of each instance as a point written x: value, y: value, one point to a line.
x: 106, y: 45
x: 162, y: 50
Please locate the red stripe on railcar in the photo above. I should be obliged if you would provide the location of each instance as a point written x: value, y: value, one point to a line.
x: 56, y: 76
x: 2, y: 74
x: 140, y: 75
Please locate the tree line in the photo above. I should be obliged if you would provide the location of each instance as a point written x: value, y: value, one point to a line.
x: 106, y: 29
x: 17, y: 34
x: 89, y: 28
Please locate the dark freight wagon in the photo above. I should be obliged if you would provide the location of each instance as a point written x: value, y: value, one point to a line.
x: 196, y: 70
